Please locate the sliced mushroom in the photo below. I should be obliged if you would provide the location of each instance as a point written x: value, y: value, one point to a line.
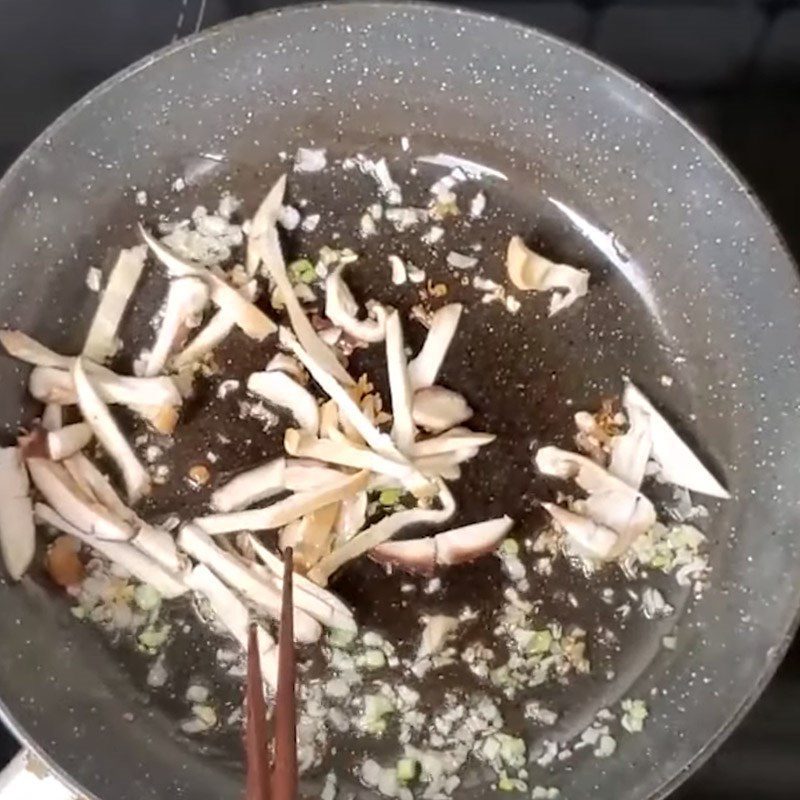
x: 70, y: 502
x: 213, y: 333
x: 237, y: 574
x: 381, y: 532
x: 124, y: 554
x: 530, y: 271
x: 315, y: 536
x: 264, y: 220
x: 234, y: 616
x: 251, y: 319
x: 23, y: 347
x: 611, y: 502
x: 588, y: 538
x: 281, y: 390
x: 341, y: 309
x: 456, y: 546
x: 437, y: 409
x: 352, y: 516
x: 96, y: 413
x: 97, y: 486
x: 291, y: 366
x: 445, y: 464
x: 284, y: 511
x: 380, y: 442
x: 52, y: 417
x: 321, y: 604
x: 454, y: 440
x: 50, y: 385
x: 67, y: 441
x: 343, y: 453
x: 161, y: 547
x: 305, y: 475
x: 403, y: 429
x: 461, y: 545
x: 631, y: 451
x: 424, y: 369
x: 101, y: 341
x: 266, y: 245
x: 17, y: 530
x: 417, y: 556
x: 679, y: 465
x: 186, y: 299
x: 251, y: 487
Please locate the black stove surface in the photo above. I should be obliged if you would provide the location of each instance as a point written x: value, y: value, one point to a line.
x: 733, y: 68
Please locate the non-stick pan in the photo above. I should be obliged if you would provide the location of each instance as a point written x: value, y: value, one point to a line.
x: 689, y: 281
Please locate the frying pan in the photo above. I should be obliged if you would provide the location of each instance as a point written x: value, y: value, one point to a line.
x: 689, y: 280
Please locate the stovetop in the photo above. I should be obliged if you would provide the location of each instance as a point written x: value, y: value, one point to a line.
x: 733, y: 68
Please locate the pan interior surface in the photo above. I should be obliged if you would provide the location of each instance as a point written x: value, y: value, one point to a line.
x: 692, y: 296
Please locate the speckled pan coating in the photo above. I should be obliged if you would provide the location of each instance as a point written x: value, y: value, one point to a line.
x: 694, y: 270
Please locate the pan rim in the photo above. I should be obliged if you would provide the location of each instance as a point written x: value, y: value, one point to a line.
x: 774, y: 654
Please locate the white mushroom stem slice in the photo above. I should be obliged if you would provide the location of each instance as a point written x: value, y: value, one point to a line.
x: 69, y: 501
x: 237, y: 574
x: 52, y: 417
x: 531, y: 272
x: 234, y: 616
x: 97, y: 486
x: 51, y: 385
x: 380, y: 442
x: 281, y: 390
x: 352, y: 516
x: 250, y: 487
x: 282, y: 362
x: 161, y: 547
x: 67, y: 441
x: 186, y: 299
x: 17, y: 529
x: 454, y: 440
x: 342, y: 453
x: 432, y: 465
x: 315, y: 535
x: 403, y: 429
x: 424, y: 369
x: 461, y: 545
x: 264, y: 220
x: 321, y: 604
x: 381, y: 532
x: 631, y: 451
x: 417, y: 556
x: 679, y: 465
x: 213, y: 333
x: 97, y: 415
x: 267, y: 247
x: 437, y: 409
x: 611, y: 501
x: 25, y: 348
x: 304, y: 475
x: 456, y: 546
x: 341, y: 309
x: 124, y: 554
x: 284, y: 511
x: 101, y: 341
x: 587, y: 537
x: 252, y: 320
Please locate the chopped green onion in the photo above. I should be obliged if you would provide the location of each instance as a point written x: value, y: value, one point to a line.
x: 509, y: 547
x: 302, y: 271
x: 540, y: 641
x: 341, y: 638
x: 390, y: 497
x: 407, y: 769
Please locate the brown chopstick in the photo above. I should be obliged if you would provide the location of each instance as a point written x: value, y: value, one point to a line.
x: 284, y: 772
x: 280, y: 783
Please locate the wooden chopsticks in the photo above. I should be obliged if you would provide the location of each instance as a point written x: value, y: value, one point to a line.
x: 280, y: 782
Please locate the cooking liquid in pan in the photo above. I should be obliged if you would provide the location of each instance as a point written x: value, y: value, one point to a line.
x: 524, y: 374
